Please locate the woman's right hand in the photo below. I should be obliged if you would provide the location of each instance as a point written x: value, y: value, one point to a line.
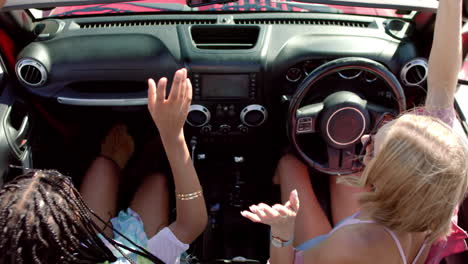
x: 170, y: 114
x: 280, y: 217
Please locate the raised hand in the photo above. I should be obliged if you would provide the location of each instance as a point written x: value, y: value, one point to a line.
x: 280, y: 217
x: 169, y: 114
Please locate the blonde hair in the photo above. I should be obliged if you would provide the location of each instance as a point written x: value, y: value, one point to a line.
x: 419, y: 177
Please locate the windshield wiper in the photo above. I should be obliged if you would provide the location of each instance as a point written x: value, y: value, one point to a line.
x: 311, y: 7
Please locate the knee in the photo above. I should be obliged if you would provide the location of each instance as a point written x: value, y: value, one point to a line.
x: 290, y: 162
x: 104, y: 170
x: 290, y: 167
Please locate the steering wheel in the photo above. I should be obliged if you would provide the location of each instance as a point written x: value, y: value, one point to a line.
x: 342, y: 117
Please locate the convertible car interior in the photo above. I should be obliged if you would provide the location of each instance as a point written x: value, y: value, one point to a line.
x: 281, y: 76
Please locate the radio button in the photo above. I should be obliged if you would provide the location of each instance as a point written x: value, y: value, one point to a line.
x: 219, y: 111
x: 206, y: 129
x: 243, y: 129
x: 225, y: 129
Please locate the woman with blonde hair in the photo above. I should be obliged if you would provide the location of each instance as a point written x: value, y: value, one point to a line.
x: 415, y: 178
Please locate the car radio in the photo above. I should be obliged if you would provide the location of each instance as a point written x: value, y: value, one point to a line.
x: 224, y: 86
x: 225, y: 104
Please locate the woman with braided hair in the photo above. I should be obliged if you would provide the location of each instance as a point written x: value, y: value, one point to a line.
x: 44, y: 219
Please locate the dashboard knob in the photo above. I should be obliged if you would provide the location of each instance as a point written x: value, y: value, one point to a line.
x: 243, y: 129
x: 206, y: 129
x: 198, y: 116
x: 254, y: 115
x: 225, y: 128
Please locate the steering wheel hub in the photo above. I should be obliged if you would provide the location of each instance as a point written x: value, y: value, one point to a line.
x: 344, y: 119
x: 345, y: 126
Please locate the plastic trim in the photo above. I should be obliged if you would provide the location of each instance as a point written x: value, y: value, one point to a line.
x: 102, y: 102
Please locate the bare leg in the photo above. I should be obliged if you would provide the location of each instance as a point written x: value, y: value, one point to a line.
x: 311, y: 221
x: 151, y: 202
x: 99, y: 190
x: 344, y: 200
x: 100, y: 185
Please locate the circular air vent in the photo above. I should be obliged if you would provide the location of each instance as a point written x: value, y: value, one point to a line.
x: 414, y: 72
x: 198, y: 116
x: 31, y: 72
x: 253, y: 115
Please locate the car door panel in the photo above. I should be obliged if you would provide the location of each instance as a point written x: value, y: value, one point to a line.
x: 14, y: 128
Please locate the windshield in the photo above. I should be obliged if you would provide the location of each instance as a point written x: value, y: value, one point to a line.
x: 180, y: 6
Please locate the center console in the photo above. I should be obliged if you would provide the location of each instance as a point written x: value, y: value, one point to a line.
x: 226, y: 104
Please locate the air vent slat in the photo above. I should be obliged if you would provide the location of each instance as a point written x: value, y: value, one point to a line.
x: 414, y: 73
x: 147, y: 23
x: 327, y: 22
x: 31, y: 72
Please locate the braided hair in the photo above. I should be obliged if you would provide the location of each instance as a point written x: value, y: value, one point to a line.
x: 43, y: 219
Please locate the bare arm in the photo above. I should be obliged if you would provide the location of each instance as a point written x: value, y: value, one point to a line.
x: 445, y: 59
x: 169, y: 116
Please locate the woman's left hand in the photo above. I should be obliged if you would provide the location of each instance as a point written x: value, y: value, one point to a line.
x: 280, y: 217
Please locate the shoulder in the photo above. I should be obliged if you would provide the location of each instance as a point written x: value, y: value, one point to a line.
x: 351, y: 244
x: 445, y: 114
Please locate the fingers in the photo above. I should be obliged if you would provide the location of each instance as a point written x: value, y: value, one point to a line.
x: 151, y: 93
x: 181, y: 88
x: 268, y: 211
x: 365, y: 138
x: 257, y: 210
x: 189, y: 90
x: 251, y: 216
x: 282, y: 210
x: 263, y: 213
x: 161, y: 90
x: 178, y: 84
x: 294, y: 201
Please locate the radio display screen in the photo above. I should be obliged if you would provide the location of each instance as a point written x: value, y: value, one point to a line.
x: 225, y: 85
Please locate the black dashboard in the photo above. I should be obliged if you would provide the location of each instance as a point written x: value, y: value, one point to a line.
x: 241, y: 65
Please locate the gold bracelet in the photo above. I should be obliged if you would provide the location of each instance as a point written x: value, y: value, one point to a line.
x: 189, y: 196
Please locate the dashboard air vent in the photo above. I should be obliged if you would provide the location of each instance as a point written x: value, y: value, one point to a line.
x: 142, y: 23
x: 414, y: 72
x: 318, y: 22
x: 225, y: 37
x: 31, y: 72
